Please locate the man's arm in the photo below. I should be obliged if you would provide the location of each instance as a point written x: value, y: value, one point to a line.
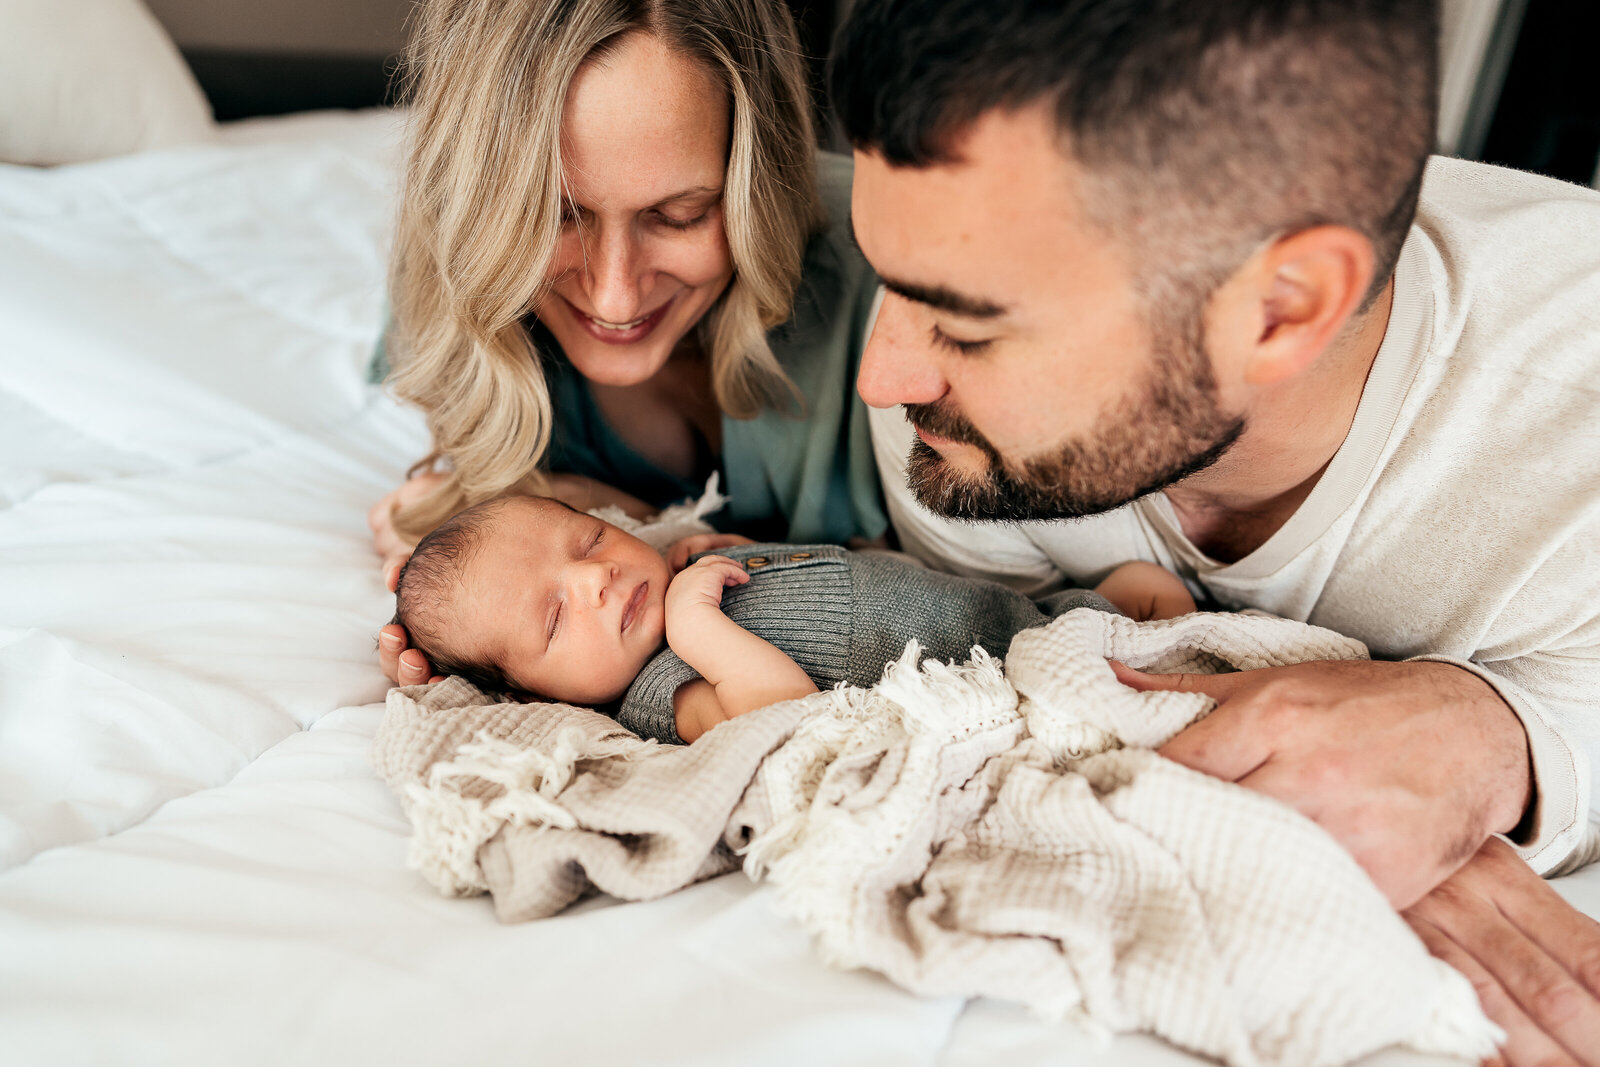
x: 1411, y: 766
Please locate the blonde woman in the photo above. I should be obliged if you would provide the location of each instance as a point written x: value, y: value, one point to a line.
x: 620, y: 266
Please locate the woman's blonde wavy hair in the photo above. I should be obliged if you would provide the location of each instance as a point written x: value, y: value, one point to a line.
x: 482, y: 206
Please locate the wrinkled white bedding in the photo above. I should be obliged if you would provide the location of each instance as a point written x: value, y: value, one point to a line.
x: 197, y: 863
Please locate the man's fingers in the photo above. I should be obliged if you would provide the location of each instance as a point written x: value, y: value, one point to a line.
x: 1546, y: 992
x: 1219, y: 687
x: 1545, y: 917
x: 1526, y: 1044
x: 391, y: 569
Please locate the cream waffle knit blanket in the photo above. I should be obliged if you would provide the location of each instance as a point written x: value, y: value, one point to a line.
x: 965, y: 830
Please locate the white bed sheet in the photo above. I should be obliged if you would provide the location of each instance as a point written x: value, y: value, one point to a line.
x: 200, y: 866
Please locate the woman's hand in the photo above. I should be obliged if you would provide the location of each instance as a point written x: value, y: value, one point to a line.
x: 678, y: 555
x: 582, y: 493
x: 402, y: 664
x: 380, y: 519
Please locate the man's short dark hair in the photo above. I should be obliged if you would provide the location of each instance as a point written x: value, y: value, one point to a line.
x: 1205, y: 127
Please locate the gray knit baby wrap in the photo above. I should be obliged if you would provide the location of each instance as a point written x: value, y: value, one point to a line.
x: 842, y: 616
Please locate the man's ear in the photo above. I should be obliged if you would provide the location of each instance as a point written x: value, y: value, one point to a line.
x: 1288, y: 303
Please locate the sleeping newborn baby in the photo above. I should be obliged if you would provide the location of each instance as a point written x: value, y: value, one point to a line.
x: 526, y: 594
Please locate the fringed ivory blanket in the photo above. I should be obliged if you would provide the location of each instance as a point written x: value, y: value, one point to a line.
x: 964, y: 830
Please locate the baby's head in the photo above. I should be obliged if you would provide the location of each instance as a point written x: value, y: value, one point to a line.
x: 525, y: 593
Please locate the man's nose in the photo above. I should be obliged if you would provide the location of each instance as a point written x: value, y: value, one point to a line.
x: 898, y: 365
x: 613, y: 274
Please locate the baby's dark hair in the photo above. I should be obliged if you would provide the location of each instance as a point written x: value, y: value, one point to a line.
x: 423, y: 594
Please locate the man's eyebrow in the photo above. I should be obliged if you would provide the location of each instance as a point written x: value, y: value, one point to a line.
x: 942, y: 299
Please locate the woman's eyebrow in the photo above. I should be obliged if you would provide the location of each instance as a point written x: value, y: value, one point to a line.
x: 685, y: 194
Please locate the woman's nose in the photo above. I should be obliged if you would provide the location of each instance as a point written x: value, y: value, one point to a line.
x: 612, y: 270
x: 899, y: 365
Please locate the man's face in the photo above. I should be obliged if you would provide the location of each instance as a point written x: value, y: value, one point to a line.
x: 1040, y: 383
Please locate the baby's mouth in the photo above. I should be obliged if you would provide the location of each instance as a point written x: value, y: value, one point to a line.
x: 634, y: 606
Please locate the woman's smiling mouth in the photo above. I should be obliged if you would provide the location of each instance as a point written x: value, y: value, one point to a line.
x: 620, y: 333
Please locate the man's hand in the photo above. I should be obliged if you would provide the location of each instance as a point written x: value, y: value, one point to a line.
x: 1411, y: 766
x: 1534, y: 959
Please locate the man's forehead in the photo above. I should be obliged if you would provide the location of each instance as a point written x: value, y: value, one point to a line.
x: 967, y: 234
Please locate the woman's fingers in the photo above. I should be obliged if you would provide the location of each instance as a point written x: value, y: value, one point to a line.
x: 378, y: 514
x: 403, y: 665
x: 414, y: 668
x: 391, y: 569
x: 391, y: 642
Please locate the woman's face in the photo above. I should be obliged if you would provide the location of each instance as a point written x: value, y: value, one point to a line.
x: 643, y: 254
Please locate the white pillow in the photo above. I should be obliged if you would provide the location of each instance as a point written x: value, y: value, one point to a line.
x: 87, y: 79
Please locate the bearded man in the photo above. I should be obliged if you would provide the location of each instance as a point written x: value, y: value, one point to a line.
x: 1179, y: 282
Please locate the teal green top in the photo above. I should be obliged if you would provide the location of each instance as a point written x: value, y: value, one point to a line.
x: 796, y: 476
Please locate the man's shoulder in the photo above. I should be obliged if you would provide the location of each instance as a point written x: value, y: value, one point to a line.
x: 1512, y: 278
x: 1496, y: 216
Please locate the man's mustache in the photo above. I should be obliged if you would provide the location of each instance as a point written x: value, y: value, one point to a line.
x: 942, y: 422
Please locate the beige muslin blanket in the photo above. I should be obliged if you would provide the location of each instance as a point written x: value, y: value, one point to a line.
x: 964, y: 830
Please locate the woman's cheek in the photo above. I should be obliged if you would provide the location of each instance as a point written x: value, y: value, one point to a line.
x: 567, y: 259
x: 695, y: 257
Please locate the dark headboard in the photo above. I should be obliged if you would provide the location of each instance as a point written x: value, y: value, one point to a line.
x: 242, y: 84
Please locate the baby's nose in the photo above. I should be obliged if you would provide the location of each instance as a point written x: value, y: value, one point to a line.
x: 596, y: 582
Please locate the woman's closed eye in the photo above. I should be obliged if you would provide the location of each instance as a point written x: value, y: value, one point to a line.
x: 672, y: 223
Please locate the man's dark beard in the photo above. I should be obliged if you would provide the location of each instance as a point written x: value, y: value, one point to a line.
x: 1169, y: 429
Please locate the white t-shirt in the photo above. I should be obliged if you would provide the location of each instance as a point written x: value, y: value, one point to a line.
x: 1460, y: 519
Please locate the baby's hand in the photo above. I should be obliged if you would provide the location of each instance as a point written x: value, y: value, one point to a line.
x: 678, y: 555
x: 1145, y: 592
x: 701, y: 586
x: 694, y: 608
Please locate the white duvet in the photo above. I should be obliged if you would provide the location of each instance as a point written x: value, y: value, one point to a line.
x: 197, y: 863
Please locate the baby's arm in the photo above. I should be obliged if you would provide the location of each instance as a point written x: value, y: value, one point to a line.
x: 739, y: 671
x: 1144, y: 591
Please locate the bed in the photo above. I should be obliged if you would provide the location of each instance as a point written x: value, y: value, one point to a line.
x: 198, y: 864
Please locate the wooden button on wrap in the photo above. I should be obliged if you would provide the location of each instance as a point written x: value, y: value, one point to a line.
x: 756, y: 561
x: 798, y: 556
